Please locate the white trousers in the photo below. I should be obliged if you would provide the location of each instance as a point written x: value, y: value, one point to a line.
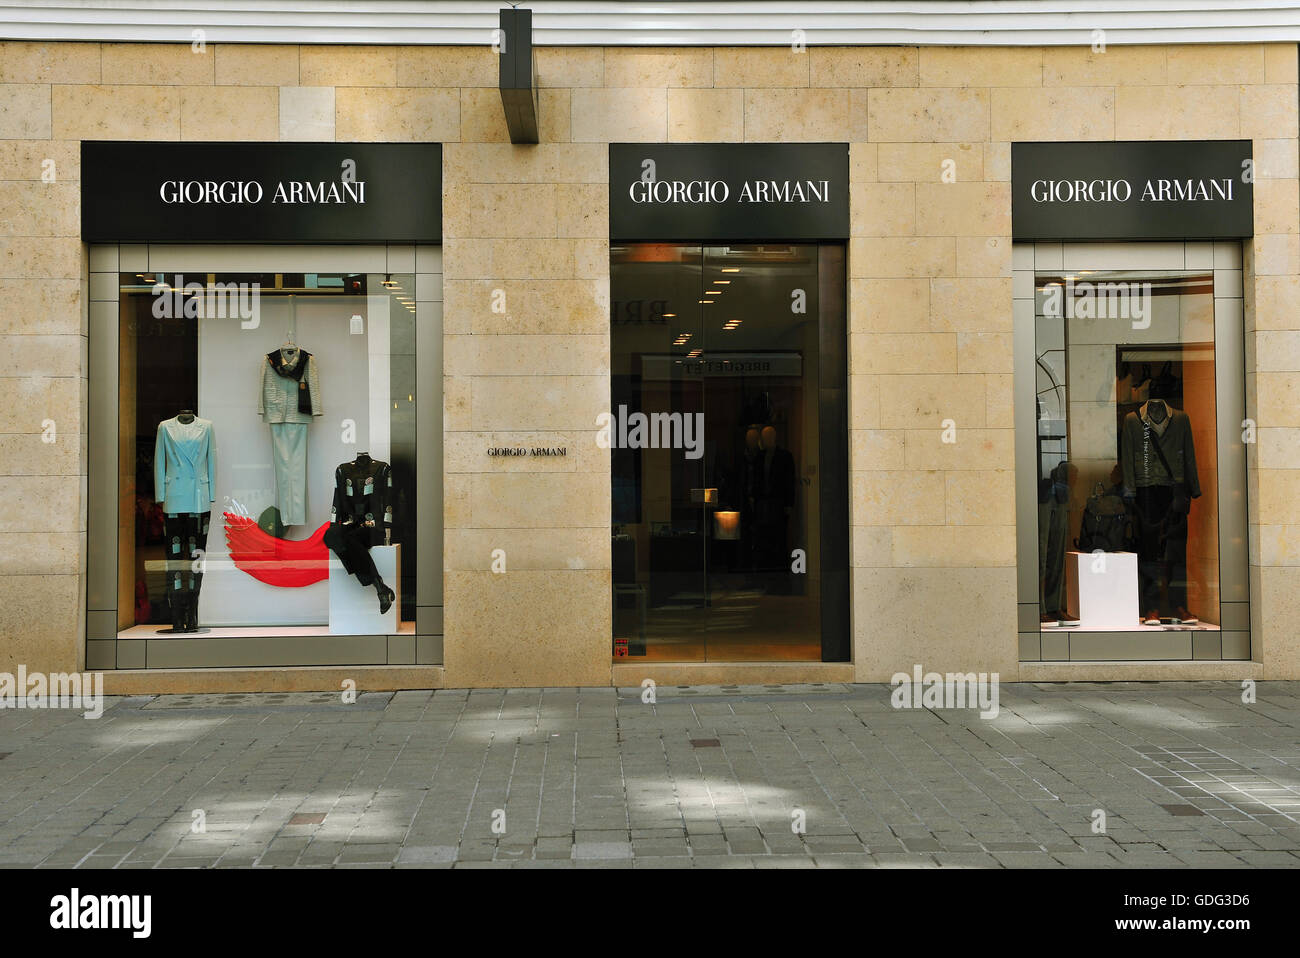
x: 289, y: 458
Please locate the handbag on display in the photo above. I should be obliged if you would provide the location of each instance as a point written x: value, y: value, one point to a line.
x: 1106, y: 524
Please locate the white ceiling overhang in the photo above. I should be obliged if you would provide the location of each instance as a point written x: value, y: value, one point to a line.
x: 669, y: 23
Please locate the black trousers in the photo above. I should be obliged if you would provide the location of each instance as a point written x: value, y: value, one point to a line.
x: 352, y: 545
x: 186, y: 535
x: 1162, y: 551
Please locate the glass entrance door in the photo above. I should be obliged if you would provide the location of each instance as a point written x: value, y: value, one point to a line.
x: 717, y: 538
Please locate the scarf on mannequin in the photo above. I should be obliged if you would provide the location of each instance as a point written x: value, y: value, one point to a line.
x: 293, y: 371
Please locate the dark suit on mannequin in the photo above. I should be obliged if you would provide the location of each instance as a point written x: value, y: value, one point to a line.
x: 361, y: 517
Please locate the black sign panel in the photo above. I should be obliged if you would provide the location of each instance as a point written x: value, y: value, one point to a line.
x: 729, y: 191
x: 261, y: 192
x: 1148, y: 190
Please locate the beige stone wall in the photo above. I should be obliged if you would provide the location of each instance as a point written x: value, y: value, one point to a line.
x: 933, y: 542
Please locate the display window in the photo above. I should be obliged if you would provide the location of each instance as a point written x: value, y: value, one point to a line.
x: 1128, y: 484
x: 266, y: 460
x: 1137, y: 435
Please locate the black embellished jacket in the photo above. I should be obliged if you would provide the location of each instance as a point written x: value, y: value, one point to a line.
x: 363, y: 499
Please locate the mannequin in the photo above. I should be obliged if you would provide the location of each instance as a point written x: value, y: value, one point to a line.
x: 1160, y: 480
x: 1157, y: 410
x: 362, y: 517
x: 185, y: 474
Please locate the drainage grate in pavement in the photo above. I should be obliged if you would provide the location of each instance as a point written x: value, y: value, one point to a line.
x: 307, y: 818
x: 1184, y: 810
x: 225, y: 701
x: 746, y: 692
x: 706, y: 743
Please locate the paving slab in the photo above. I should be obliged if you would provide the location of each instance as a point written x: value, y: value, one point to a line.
x: 749, y: 776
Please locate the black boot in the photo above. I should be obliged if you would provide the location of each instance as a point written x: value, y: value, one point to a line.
x: 177, y: 602
x: 386, y: 596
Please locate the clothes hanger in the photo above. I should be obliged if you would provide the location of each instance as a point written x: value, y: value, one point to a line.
x: 289, y: 347
x: 289, y: 350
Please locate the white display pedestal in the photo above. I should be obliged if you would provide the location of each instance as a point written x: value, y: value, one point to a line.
x: 354, y: 608
x: 1104, y: 598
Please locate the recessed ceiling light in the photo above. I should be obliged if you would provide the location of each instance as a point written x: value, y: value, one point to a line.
x: 713, y: 292
x: 669, y: 315
x: 731, y: 269
x: 706, y: 302
x: 722, y: 282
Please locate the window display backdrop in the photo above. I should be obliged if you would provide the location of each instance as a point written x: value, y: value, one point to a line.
x: 353, y: 371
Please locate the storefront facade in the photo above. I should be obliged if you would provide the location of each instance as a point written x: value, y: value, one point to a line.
x: 902, y: 388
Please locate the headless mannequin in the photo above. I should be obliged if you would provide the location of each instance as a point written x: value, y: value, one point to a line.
x: 1162, y: 541
x: 353, y: 546
x: 384, y: 593
x: 193, y: 528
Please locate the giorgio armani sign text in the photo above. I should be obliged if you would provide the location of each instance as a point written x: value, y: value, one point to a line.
x: 1132, y: 191
x: 190, y: 192
x: 729, y: 191
x: 262, y: 192
x: 719, y: 191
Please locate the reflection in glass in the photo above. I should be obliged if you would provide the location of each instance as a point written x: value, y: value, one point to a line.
x: 716, y: 548
x: 296, y: 374
x: 1128, y: 478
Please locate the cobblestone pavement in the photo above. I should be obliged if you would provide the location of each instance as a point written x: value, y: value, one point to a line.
x: 1185, y: 774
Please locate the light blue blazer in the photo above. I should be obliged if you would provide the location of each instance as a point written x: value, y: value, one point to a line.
x: 185, y: 466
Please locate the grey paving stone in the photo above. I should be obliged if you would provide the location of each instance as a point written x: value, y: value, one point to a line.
x: 369, y: 853
x: 679, y: 861
x: 602, y: 851
x: 594, y: 778
x: 659, y: 848
x: 923, y: 845
x: 426, y: 854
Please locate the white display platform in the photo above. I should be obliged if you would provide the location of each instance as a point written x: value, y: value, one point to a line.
x: 354, y: 608
x: 1104, y: 598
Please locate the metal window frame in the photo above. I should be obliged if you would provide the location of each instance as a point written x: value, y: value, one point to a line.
x: 1233, y: 641
x: 104, y: 649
